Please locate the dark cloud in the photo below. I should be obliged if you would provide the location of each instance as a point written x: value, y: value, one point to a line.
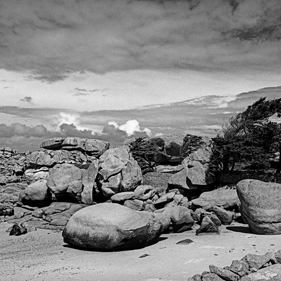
x: 71, y: 130
x: 27, y: 99
x: 52, y: 39
x: 17, y: 129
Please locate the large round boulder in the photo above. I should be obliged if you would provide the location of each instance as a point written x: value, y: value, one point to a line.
x: 110, y: 227
x: 260, y: 205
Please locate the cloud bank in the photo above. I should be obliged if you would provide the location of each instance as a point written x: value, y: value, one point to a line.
x: 51, y: 39
x: 201, y: 116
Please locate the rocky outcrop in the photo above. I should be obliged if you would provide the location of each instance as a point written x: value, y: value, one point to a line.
x: 12, y: 165
x: 118, y: 171
x: 53, y: 217
x: 260, y: 205
x: 169, y: 148
x: 196, y: 172
x: 179, y: 216
x: 109, y: 227
x: 66, y: 179
x: 32, y: 175
x: 9, y: 193
x: 49, y: 158
x: 250, y: 268
x: 91, y: 147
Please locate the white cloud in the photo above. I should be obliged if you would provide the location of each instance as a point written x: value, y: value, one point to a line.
x: 130, y: 127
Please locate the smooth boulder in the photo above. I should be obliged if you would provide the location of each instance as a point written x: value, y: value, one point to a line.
x: 110, y: 227
x: 36, y: 194
x: 260, y: 205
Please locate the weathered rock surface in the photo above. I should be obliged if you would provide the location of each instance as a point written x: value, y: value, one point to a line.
x: 89, y: 183
x: 196, y: 166
x: 144, y: 192
x: 66, y: 179
x: 6, y: 210
x: 258, y: 261
x: 260, y: 205
x: 92, y: 147
x: 118, y: 171
x: 180, y: 218
x: 222, y: 197
x: 33, y: 175
x: 110, y: 226
x: 54, y: 143
x: 49, y: 158
x: 180, y: 180
x: 10, y: 192
x: 122, y: 196
x: 270, y: 273
x: 224, y: 216
x: 207, y: 227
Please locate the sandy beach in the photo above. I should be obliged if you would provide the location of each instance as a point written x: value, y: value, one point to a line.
x: 42, y: 255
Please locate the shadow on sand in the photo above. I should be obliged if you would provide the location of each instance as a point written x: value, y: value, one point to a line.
x: 117, y: 250
x: 239, y: 228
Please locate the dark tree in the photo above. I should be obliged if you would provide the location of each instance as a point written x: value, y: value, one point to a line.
x: 250, y: 139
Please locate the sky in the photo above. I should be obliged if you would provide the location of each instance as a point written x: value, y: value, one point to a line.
x: 115, y: 70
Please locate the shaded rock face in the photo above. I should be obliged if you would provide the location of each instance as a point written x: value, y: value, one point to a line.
x: 10, y: 192
x: 169, y: 148
x: 12, y: 165
x: 6, y: 210
x: 33, y: 175
x: 109, y: 227
x: 118, y: 171
x: 66, y: 179
x: 49, y: 158
x: 180, y: 218
x: 222, y: 197
x: 195, y: 173
x: 260, y: 205
x: 270, y: 273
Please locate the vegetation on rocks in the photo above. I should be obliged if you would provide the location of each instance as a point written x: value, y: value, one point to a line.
x: 251, y: 139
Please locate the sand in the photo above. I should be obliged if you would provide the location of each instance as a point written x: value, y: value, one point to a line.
x: 42, y: 255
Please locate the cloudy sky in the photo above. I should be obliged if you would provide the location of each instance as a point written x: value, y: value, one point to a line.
x: 115, y: 69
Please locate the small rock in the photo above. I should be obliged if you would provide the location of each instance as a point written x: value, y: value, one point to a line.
x: 208, y: 226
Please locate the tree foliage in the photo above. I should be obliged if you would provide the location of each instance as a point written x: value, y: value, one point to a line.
x: 249, y: 139
x: 145, y: 153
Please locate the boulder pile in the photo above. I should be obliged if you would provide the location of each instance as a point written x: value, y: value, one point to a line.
x: 251, y: 267
x: 12, y: 165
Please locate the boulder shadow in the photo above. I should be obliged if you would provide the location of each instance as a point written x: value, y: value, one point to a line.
x: 239, y: 228
x: 71, y: 246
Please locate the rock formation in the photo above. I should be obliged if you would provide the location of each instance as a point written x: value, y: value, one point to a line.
x: 260, y: 205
